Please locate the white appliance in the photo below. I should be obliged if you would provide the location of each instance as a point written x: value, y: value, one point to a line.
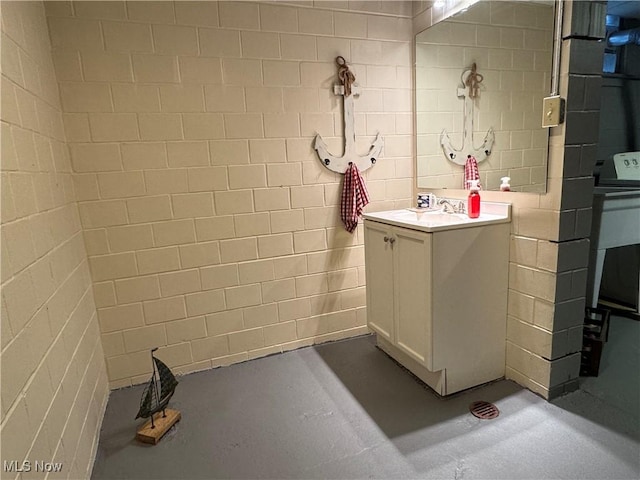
x: 616, y: 223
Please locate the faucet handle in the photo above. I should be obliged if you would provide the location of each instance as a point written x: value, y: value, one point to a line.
x: 444, y: 203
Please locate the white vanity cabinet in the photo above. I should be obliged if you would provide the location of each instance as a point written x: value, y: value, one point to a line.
x: 398, y: 266
x: 437, y: 300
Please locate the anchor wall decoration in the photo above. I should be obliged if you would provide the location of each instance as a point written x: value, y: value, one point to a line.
x: 340, y: 164
x: 469, y: 91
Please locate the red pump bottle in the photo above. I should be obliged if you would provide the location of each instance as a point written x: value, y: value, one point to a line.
x: 473, y: 201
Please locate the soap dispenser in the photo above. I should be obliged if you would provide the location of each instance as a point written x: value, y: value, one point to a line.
x: 473, y: 201
x: 504, y: 186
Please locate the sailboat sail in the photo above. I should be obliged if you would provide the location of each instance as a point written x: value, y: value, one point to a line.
x: 152, y: 401
x: 148, y: 399
x: 168, y: 381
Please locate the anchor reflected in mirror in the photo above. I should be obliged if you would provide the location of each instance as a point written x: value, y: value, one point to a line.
x: 470, y: 91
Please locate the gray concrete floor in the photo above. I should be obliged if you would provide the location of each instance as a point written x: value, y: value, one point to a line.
x: 346, y: 410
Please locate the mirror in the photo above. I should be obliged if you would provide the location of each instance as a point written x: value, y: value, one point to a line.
x: 511, y: 45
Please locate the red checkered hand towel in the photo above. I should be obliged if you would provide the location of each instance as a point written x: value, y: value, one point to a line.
x: 471, y: 171
x: 354, y: 197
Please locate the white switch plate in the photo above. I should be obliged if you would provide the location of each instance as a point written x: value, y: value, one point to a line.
x: 552, y: 111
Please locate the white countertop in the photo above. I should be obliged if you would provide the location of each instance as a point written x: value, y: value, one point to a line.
x: 435, y: 221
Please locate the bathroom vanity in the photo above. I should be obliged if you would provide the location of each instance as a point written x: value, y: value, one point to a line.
x: 437, y: 292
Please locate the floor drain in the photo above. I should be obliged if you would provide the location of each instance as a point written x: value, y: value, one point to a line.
x: 484, y: 410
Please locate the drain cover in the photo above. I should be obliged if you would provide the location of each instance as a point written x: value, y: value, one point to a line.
x: 484, y: 410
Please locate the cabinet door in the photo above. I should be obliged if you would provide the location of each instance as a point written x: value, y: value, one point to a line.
x: 379, y: 269
x: 412, y: 293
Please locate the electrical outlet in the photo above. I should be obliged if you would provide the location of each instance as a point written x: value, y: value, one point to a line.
x: 552, y: 111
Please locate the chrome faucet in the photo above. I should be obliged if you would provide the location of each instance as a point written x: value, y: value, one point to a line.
x: 449, y: 207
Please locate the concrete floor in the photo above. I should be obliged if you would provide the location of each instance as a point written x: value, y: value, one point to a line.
x: 346, y: 410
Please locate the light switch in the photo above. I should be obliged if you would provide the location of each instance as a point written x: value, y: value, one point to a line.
x: 552, y: 111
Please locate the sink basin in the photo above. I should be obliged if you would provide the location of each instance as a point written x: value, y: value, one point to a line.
x: 433, y: 221
x: 432, y: 218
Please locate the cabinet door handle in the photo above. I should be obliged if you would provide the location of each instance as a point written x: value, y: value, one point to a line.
x: 391, y: 240
x: 386, y: 239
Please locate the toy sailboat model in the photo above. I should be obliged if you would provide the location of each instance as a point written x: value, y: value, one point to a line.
x: 155, y: 398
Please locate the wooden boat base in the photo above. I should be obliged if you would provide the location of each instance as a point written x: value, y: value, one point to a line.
x: 147, y: 434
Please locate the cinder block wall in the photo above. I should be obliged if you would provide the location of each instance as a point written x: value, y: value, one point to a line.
x: 54, y: 383
x: 548, y: 274
x: 212, y: 228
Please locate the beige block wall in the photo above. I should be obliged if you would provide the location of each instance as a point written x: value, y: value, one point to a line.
x: 54, y: 385
x: 212, y: 228
x: 547, y: 267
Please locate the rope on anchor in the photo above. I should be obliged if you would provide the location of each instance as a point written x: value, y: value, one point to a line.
x: 345, y: 75
x: 473, y: 81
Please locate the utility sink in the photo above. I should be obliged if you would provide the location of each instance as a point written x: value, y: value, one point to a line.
x: 434, y: 221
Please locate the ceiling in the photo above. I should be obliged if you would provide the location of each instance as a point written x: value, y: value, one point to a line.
x: 624, y: 8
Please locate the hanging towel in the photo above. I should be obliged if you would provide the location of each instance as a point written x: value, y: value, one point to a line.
x: 471, y: 171
x: 354, y: 197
